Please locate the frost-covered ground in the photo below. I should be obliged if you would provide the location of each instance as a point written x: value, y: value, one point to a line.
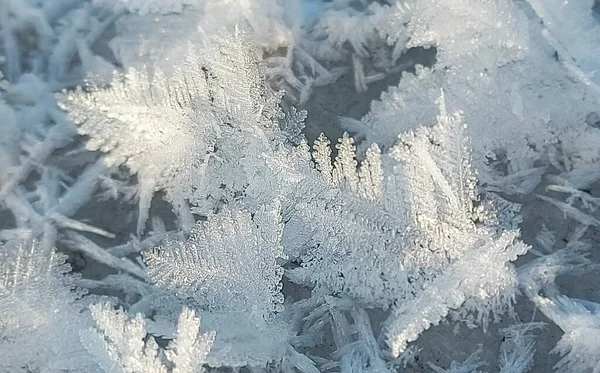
x: 299, y: 186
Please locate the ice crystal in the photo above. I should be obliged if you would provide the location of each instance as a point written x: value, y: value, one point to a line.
x: 146, y: 7
x: 483, y: 50
x: 207, y: 266
x: 298, y: 256
x: 228, y: 269
x: 416, y: 235
x: 164, y: 129
x: 41, y: 315
x: 120, y: 345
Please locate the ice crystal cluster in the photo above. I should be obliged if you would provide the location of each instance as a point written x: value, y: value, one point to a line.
x: 299, y: 186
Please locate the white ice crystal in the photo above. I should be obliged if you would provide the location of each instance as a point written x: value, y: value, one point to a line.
x: 228, y: 269
x: 151, y: 124
x: 418, y: 238
x: 570, y: 27
x: 493, y: 65
x: 146, y: 6
x: 215, y: 265
x: 120, y: 345
x: 165, y: 128
x: 286, y: 254
x: 41, y: 315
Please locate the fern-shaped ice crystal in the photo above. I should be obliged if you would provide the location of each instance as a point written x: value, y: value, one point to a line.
x: 120, y: 344
x: 468, y: 258
x: 228, y: 269
x: 164, y: 128
x: 41, y: 317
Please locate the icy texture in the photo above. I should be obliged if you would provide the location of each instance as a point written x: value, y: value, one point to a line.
x: 297, y: 256
x: 371, y: 35
x: 214, y: 265
x: 518, y: 347
x: 41, y: 316
x: 228, y: 270
x: 492, y: 64
x: 570, y: 27
x: 470, y: 365
x: 150, y: 124
x: 120, y: 345
x: 145, y: 6
x: 165, y: 129
x: 423, y: 243
x: 577, y: 318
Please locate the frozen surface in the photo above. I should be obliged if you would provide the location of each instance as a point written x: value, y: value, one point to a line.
x: 299, y: 186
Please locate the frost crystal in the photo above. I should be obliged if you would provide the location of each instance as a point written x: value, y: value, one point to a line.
x: 120, y: 345
x: 483, y: 49
x: 228, y: 270
x: 517, y: 348
x: 298, y: 256
x: 470, y: 365
x: 413, y: 239
x: 470, y: 263
x: 41, y: 317
x: 151, y: 124
x: 217, y: 265
x: 146, y: 6
x: 165, y: 128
